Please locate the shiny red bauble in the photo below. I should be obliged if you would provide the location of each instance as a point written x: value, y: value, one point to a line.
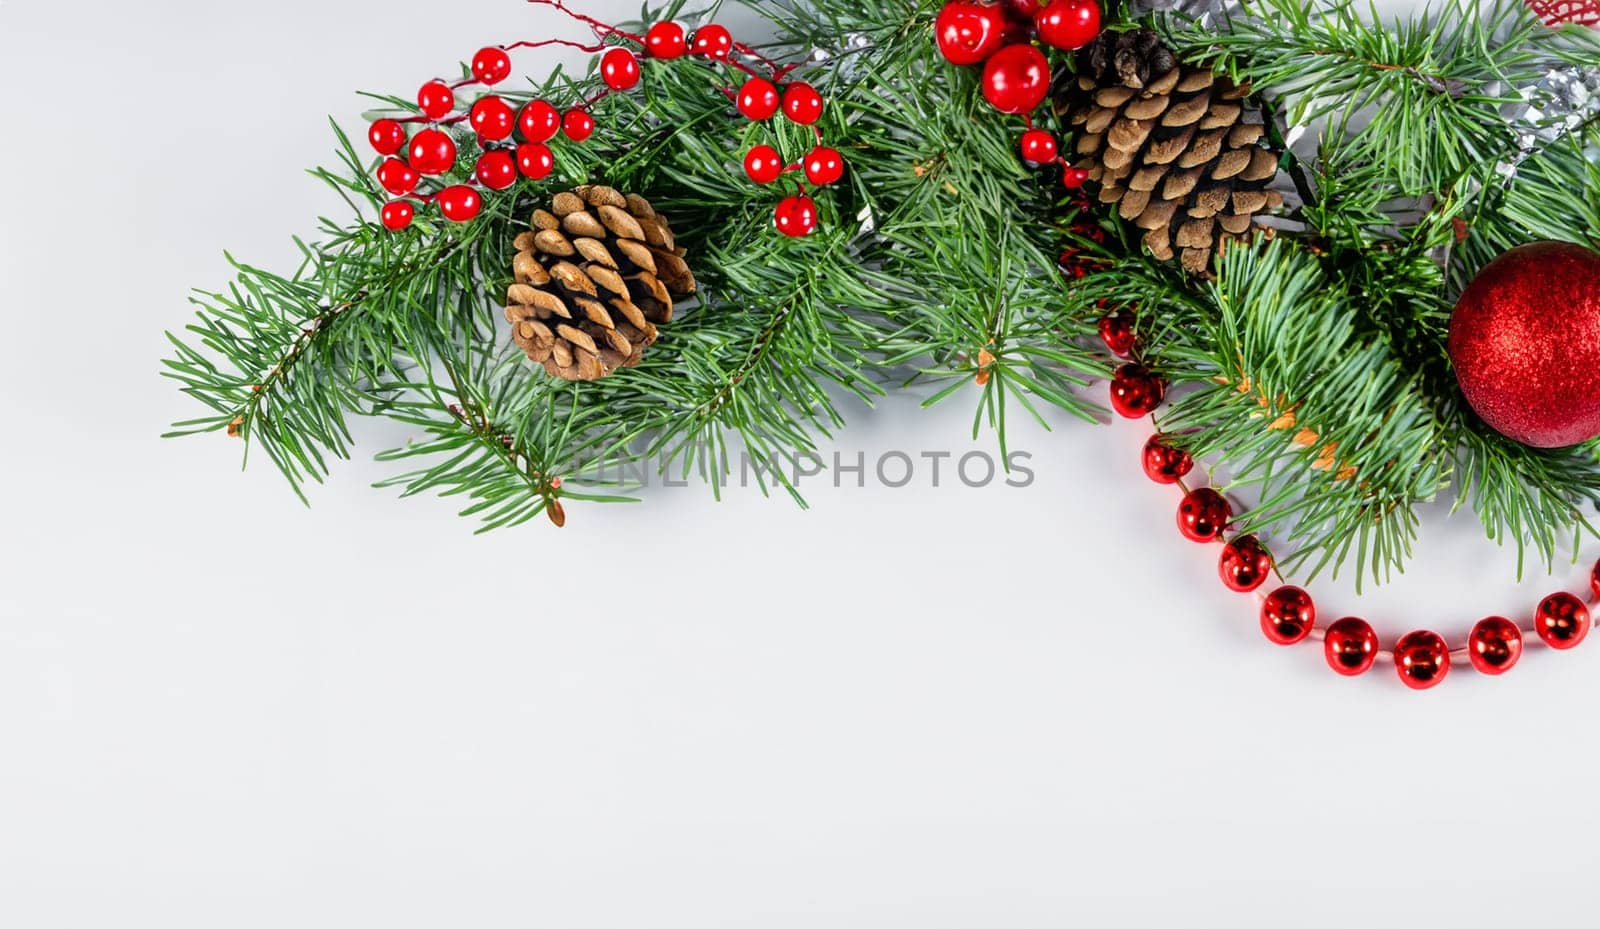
x: 577, y: 125
x: 496, y: 170
x: 1422, y: 660
x: 1244, y: 564
x: 758, y: 99
x: 1350, y: 646
x: 432, y: 152
x: 1117, y: 332
x: 436, y: 99
x: 1016, y: 79
x: 763, y: 164
x: 666, y: 40
x: 1495, y: 645
x: 1068, y: 24
x: 397, y: 215
x: 491, y: 65
x: 1165, y: 464
x: 712, y: 41
x: 967, y: 33
x: 387, y: 136
x: 397, y: 177
x: 1562, y: 621
x: 796, y: 216
x: 619, y: 69
x: 1288, y: 615
x: 1039, y: 147
x: 1525, y: 342
x: 1136, y: 391
x: 535, y: 160
x: 539, y: 122
x: 824, y: 166
x: 1594, y: 579
x: 802, y: 104
x: 460, y: 203
x: 492, y: 118
x: 1203, y: 515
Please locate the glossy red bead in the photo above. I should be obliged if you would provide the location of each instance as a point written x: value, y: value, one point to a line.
x: 1039, y: 147
x: 397, y: 177
x: 712, y: 41
x: 497, y: 170
x: 436, y: 99
x: 491, y: 65
x: 1288, y: 615
x: 1117, y: 332
x: 1562, y: 621
x: 758, y: 99
x: 492, y: 118
x: 824, y: 166
x: 535, y: 161
x: 460, y: 203
x: 1495, y: 645
x: 1203, y: 515
x: 387, y: 136
x: 1594, y: 579
x: 619, y: 69
x: 1068, y: 24
x: 1136, y: 391
x: 1350, y: 646
x: 432, y: 152
x: 577, y: 125
x: 796, y: 216
x: 666, y: 40
x: 1016, y: 79
x: 802, y: 104
x: 1244, y: 564
x: 539, y: 122
x: 1165, y: 464
x: 1422, y: 660
x: 397, y: 215
x: 763, y: 164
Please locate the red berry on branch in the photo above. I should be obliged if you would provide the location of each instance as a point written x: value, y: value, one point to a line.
x: 1068, y: 24
x: 763, y: 164
x: 796, y: 216
x: 491, y: 65
x: 824, y: 166
x: 1117, y: 332
x: 967, y: 33
x: 665, y: 40
x: 397, y: 215
x: 436, y: 99
x: 460, y: 203
x: 1495, y: 645
x: 802, y: 104
x: 1562, y: 621
x: 492, y: 118
x: 1016, y: 79
x: 712, y: 41
x: 397, y: 177
x: 1073, y: 178
x: 758, y: 99
x: 539, y: 122
x: 1288, y: 615
x: 619, y: 69
x: 432, y: 152
x: 387, y: 136
x: 1422, y: 660
x: 1136, y: 391
x: 1039, y: 147
x: 578, y: 125
x: 1203, y: 515
x: 1350, y: 646
x: 1165, y: 464
x: 497, y: 170
x: 1244, y: 564
x: 535, y: 160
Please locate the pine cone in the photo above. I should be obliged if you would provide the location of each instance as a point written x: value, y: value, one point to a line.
x: 594, y: 277
x: 1176, y: 147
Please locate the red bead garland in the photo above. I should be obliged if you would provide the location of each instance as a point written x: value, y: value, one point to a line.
x: 1422, y: 660
x: 1562, y: 621
x: 1495, y: 645
x: 1165, y: 464
x: 1136, y: 391
x: 1245, y: 564
x: 1288, y: 615
x: 1203, y: 515
x: 1350, y: 646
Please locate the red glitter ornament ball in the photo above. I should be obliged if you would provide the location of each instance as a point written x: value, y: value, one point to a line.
x: 967, y: 33
x: 497, y: 170
x: 387, y: 136
x: 1117, y: 332
x: 432, y: 152
x: 1245, y: 564
x: 712, y: 41
x: 1016, y: 79
x: 539, y: 122
x: 1495, y: 645
x: 666, y: 40
x: 1562, y: 621
x: 1136, y: 391
x: 397, y: 215
x: 796, y: 216
x: 619, y: 69
x: 460, y: 203
x: 1288, y: 615
x: 1203, y: 515
x: 758, y: 99
x: 436, y: 99
x: 1068, y: 24
x: 1350, y: 646
x: 1422, y: 659
x: 802, y: 104
x: 763, y: 164
x: 1165, y: 464
x: 1525, y: 340
x: 535, y: 161
x: 1039, y: 147
x: 492, y: 118
x: 491, y: 65
x: 824, y: 166
x: 577, y: 125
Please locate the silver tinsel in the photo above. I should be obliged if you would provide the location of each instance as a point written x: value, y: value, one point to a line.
x: 1554, y: 107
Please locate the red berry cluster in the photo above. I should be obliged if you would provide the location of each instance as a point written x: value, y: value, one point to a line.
x: 1016, y: 73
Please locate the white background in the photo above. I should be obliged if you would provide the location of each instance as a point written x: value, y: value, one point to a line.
x: 920, y: 708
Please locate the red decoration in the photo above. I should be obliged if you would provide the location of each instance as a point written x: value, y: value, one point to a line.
x: 1117, y: 332
x: 1068, y: 24
x: 1288, y: 615
x: 1495, y: 645
x: 796, y: 216
x: 397, y: 177
x: 577, y: 125
x: 1165, y: 464
x: 619, y: 69
x: 1422, y: 660
x: 535, y: 160
x: 497, y: 170
x: 539, y: 122
x: 1039, y: 147
x: 1073, y: 178
x: 967, y: 33
x: 1350, y: 646
x: 1562, y: 621
x: 460, y: 203
x: 1594, y: 580
x: 436, y: 99
x: 758, y: 99
x: 387, y: 136
x: 1203, y: 515
x: 824, y: 166
x: 492, y: 118
x: 1244, y: 565
x: 1525, y: 340
x: 1561, y: 12
x: 1136, y: 391
x: 397, y: 215
x: 1016, y: 79
x: 666, y: 40
x: 432, y: 152
x: 712, y: 41
x: 802, y: 104
x: 763, y: 164
x: 491, y: 66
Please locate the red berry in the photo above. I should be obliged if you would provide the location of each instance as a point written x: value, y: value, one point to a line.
x: 539, y: 122
x: 578, y: 125
x: 1016, y: 79
x: 497, y: 170
x: 967, y: 33
x: 387, y: 136
x: 1039, y: 147
x: 397, y: 177
x: 758, y: 99
x: 665, y: 40
x: 492, y: 118
x: 619, y: 69
x: 763, y: 164
x: 436, y: 99
x: 432, y: 152
x: 802, y: 104
x: 1068, y: 24
x: 796, y: 216
x: 397, y: 215
x: 535, y: 161
x: 712, y: 41
x: 491, y: 65
x: 1073, y: 178
x: 824, y: 166
x: 460, y: 203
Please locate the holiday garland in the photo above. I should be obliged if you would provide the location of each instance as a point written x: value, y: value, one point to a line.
x: 1276, y: 206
